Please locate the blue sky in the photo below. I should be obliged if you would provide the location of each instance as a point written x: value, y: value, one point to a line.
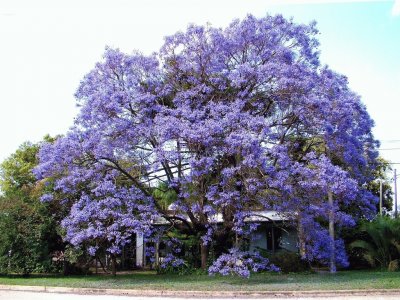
x: 362, y: 41
x: 48, y: 46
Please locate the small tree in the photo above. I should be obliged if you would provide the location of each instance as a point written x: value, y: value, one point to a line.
x: 28, y: 232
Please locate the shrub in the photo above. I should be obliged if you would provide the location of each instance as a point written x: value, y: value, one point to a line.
x: 394, y: 265
x: 381, y: 242
x: 289, y: 262
x: 240, y: 263
x: 174, y: 265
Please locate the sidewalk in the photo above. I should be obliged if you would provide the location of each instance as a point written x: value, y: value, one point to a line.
x: 202, y: 294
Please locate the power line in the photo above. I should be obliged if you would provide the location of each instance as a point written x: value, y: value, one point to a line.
x: 390, y: 149
x: 390, y: 141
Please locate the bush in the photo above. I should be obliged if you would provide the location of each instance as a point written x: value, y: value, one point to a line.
x: 394, y: 265
x: 28, y: 229
x: 380, y: 243
x: 240, y: 263
x: 174, y: 265
x: 24, y: 247
x: 289, y: 262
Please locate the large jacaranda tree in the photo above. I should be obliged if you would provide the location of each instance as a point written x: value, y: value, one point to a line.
x: 232, y: 121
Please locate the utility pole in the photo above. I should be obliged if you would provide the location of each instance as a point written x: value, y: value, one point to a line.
x: 395, y: 193
x: 380, y: 197
x: 332, y: 259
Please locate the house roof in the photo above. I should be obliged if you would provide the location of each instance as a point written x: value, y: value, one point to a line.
x: 263, y: 216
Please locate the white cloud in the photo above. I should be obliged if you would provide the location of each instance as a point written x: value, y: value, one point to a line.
x: 396, y: 8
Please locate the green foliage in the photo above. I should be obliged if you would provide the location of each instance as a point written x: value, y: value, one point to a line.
x: 394, y: 265
x: 164, y: 195
x: 15, y: 172
x: 381, y: 242
x: 16, y: 241
x: 184, y: 269
x: 27, y: 230
x: 73, y: 254
x: 288, y: 262
x: 76, y: 261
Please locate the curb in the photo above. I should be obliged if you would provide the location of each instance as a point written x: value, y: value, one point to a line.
x: 200, y: 294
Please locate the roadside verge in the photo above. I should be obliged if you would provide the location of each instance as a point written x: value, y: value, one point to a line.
x: 200, y: 294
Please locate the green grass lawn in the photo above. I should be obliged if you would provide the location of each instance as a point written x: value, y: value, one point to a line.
x: 258, y: 282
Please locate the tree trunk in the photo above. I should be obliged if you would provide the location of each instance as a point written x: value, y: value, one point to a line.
x: 302, y: 239
x: 123, y: 258
x: 204, y: 255
x: 65, y: 267
x: 332, y: 259
x: 95, y: 262
x: 102, y: 265
x: 114, y: 265
x: 157, y: 254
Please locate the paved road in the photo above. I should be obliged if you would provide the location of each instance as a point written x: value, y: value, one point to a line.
x: 19, y: 295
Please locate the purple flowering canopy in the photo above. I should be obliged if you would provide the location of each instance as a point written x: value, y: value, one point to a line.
x: 233, y: 121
